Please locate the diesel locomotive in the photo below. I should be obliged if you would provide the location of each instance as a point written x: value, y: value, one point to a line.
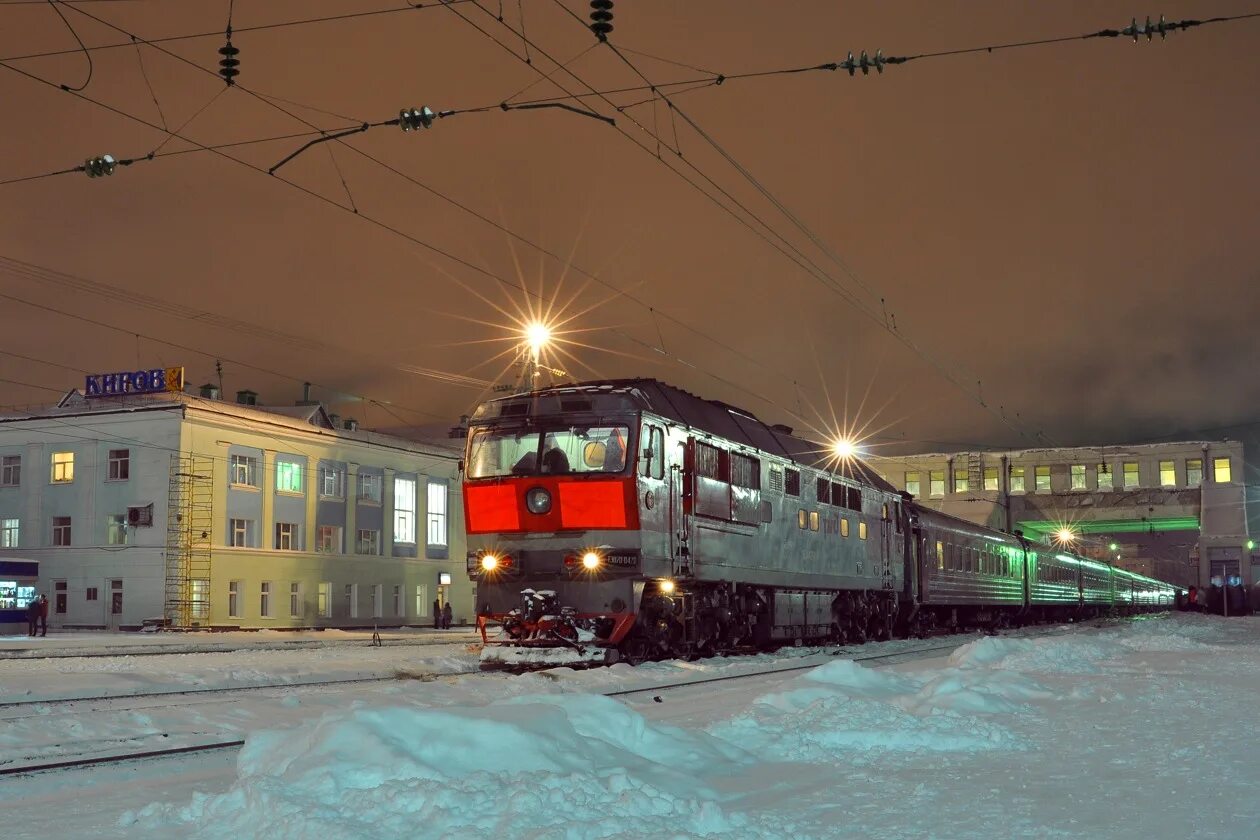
x: 629, y: 520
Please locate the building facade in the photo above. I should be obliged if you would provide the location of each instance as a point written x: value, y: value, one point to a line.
x: 1175, y: 511
x: 205, y: 513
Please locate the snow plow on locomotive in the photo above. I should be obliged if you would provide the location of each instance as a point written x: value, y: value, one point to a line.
x: 629, y: 520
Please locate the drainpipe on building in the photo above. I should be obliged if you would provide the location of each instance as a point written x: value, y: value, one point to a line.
x: 1004, y: 491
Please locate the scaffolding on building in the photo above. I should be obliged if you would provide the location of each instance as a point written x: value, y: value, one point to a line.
x: 189, y: 522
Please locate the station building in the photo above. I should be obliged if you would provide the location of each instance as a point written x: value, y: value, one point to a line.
x: 196, y: 512
x: 1175, y: 511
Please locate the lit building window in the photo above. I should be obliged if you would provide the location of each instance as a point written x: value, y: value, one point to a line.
x: 9, y: 532
x: 1220, y: 470
x: 295, y: 599
x: 961, y: 483
x: 234, y: 599
x: 11, y: 471
x: 1017, y: 479
x: 323, y: 599
x: 288, y: 477
x: 990, y: 478
x: 404, y: 510
x: 1078, y: 476
x: 244, y: 470
x: 1131, y: 474
x: 1167, y: 474
x: 435, y: 513
x: 328, y: 539
x: 1194, y: 472
x: 116, y: 529
x: 119, y: 464
x: 912, y: 483
x: 936, y: 486
x: 62, y: 467
x: 199, y: 592
x: 1042, y: 475
x: 1106, y: 480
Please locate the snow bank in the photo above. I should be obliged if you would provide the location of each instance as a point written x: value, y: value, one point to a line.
x: 845, y: 712
x: 555, y: 766
x: 1070, y: 654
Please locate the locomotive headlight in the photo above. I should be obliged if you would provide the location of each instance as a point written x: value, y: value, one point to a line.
x: 538, y: 500
x: 490, y: 562
x: 666, y: 586
x: 591, y: 560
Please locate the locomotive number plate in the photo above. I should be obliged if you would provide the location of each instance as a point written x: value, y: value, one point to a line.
x: 622, y: 558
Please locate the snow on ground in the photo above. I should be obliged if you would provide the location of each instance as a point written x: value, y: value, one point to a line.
x: 1138, y: 730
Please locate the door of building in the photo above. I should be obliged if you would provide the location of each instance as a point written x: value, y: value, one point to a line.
x: 115, y: 604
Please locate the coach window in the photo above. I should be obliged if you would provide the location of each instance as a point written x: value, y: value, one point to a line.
x: 844, y: 526
x: 912, y: 483
x: 940, y: 555
x: 936, y: 486
x: 824, y: 491
x: 792, y: 482
x: 861, y: 530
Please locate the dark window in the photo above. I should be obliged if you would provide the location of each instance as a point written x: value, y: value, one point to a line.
x: 91, y: 593
x: 853, y: 499
x: 837, y: 494
x: 710, y: 462
x: 745, y: 471
x: 824, y: 491
x: 792, y: 482
x: 59, y: 598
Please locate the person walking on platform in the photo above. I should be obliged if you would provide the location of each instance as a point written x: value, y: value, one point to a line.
x: 437, y: 614
x: 32, y: 616
x: 43, y: 615
x: 446, y: 616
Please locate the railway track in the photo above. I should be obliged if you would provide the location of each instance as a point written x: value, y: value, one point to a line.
x: 122, y: 758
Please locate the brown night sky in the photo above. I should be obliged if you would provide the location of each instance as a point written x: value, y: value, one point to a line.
x: 1075, y: 225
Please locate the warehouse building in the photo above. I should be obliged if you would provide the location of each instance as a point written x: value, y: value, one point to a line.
x: 1176, y: 511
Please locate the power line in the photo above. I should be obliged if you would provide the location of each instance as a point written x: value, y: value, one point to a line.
x: 218, y: 33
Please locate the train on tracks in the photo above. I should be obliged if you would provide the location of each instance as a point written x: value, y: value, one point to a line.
x: 628, y: 520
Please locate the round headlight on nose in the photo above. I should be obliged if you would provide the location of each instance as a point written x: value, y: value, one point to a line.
x: 538, y: 500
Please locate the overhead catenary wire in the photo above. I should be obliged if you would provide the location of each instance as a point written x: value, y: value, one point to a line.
x: 427, y: 245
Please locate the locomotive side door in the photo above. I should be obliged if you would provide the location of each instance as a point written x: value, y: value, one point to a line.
x: 654, y: 492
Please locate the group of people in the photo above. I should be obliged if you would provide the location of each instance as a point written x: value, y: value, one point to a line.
x: 37, y: 615
x: 1223, y: 598
x: 441, y: 615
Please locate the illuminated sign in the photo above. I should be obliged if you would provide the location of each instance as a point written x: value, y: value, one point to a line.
x: 154, y: 381
x: 444, y: 578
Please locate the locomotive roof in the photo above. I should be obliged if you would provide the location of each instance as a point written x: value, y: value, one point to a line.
x: 718, y: 418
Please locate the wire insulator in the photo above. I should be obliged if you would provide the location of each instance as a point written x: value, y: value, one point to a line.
x: 866, y: 62
x: 99, y: 167
x: 410, y: 119
x: 229, y: 62
x: 601, y: 18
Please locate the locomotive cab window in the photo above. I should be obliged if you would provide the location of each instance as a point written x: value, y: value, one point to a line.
x: 792, y: 482
x: 574, y: 450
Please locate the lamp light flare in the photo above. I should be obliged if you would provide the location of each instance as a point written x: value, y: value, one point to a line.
x: 489, y: 562
x: 537, y: 335
x: 1066, y: 535
x: 843, y: 448
x: 666, y: 586
x: 591, y: 560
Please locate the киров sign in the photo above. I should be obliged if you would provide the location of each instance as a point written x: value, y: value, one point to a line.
x: 155, y: 381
